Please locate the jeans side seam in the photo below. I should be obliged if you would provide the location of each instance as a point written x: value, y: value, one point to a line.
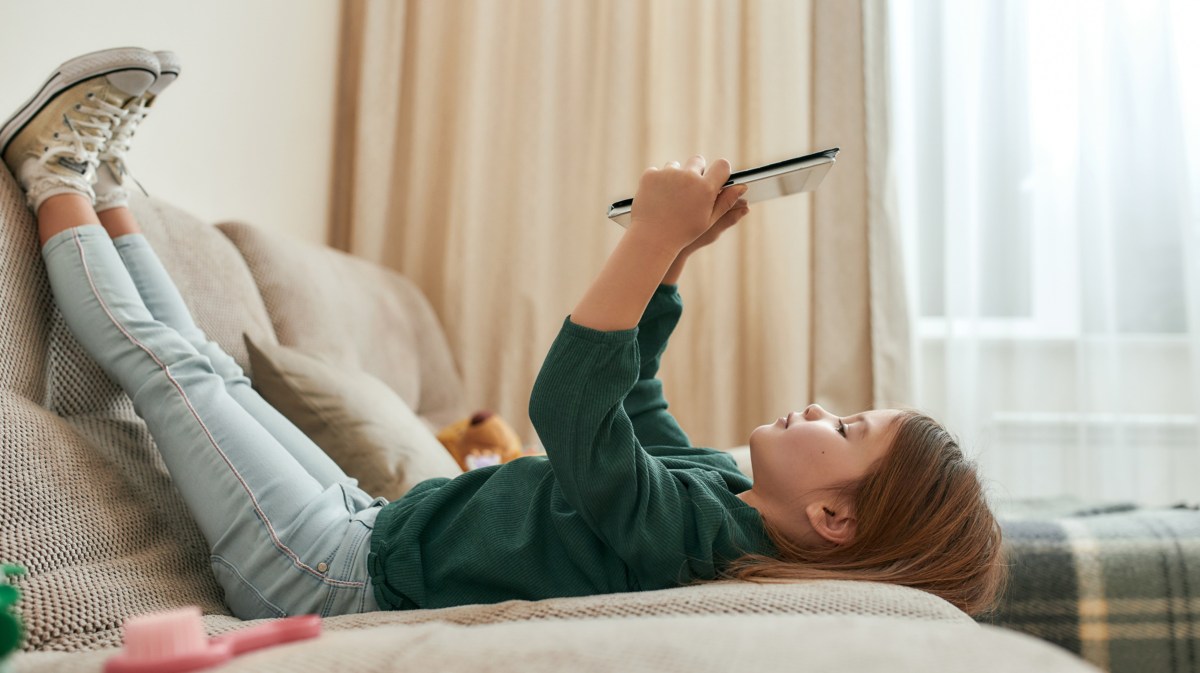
x: 278, y: 543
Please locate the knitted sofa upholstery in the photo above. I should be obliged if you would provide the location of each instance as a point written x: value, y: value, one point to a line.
x: 90, y: 510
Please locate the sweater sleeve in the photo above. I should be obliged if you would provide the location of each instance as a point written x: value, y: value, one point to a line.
x: 646, y: 405
x: 626, y: 496
x: 654, y: 426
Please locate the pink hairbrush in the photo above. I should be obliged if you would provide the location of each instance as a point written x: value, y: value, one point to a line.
x: 174, y: 641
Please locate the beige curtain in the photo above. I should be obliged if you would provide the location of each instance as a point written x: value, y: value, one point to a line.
x: 861, y: 345
x: 479, y: 144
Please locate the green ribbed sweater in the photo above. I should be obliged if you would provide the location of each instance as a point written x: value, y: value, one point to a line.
x: 620, y: 502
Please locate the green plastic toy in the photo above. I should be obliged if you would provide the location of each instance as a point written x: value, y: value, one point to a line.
x: 11, y: 631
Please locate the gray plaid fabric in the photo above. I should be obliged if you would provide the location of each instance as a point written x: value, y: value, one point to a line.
x: 1115, y: 587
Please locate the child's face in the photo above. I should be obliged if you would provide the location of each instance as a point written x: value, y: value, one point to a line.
x: 805, y: 451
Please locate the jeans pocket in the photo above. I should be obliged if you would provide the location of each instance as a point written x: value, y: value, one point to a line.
x: 244, y: 601
x: 357, y: 499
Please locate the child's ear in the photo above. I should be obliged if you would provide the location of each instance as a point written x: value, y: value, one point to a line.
x: 835, y: 525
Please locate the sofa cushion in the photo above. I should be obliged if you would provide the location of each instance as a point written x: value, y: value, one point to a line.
x: 24, y: 296
x: 728, y: 597
x: 89, y: 509
x: 358, y: 420
x: 732, y: 599
x: 694, y: 644
x: 357, y: 315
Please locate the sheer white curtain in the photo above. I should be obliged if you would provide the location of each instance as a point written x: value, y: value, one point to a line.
x: 1047, y: 163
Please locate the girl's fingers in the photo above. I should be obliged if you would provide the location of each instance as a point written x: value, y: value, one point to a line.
x: 726, y: 200
x: 696, y: 164
x: 733, y: 196
x: 718, y: 172
x: 731, y: 217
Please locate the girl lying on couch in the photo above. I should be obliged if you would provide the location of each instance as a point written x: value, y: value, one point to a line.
x: 621, y: 502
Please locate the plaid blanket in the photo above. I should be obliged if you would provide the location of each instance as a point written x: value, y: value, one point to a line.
x: 1113, y: 584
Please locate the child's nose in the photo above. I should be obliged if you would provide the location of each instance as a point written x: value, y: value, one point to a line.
x: 814, y: 411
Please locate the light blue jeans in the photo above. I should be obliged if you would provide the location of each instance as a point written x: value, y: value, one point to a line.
x: 288, y: 529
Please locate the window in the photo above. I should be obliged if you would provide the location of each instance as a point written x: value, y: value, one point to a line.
x: 1046, y: 161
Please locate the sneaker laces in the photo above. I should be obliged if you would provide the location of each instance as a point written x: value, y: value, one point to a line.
x: 122, y: 137
x: 92, y: 128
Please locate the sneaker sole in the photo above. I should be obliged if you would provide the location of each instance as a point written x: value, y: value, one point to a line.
x: 72, y: 72
x: 169, y: 63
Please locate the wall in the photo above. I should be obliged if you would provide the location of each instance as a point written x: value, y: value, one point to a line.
x: 244, y: 133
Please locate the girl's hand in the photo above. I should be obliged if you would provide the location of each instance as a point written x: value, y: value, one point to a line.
x: 673, y: 209
x: 726, y: 217
x: 676, y: 205
x: 729, y: 210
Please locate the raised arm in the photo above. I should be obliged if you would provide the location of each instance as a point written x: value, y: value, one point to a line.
x: 649, y: 515
x: 646, y: 405
x: 655, y: 427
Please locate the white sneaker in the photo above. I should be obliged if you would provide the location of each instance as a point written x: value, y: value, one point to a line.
x: 112, y: 175
x: 52, y: 144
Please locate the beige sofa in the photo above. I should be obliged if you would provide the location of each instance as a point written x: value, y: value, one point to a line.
x: 90, y: 510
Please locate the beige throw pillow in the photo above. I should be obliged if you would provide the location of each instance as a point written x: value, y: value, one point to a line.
x: 360, y: 422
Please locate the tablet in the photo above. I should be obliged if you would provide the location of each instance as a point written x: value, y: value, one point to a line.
x: 782, y: 178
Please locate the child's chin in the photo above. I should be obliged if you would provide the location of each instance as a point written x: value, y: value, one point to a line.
x: 760, y: 429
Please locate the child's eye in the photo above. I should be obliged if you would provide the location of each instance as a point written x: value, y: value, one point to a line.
x: 841, y: 427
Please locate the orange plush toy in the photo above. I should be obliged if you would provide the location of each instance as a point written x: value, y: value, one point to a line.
x: 481, y: 440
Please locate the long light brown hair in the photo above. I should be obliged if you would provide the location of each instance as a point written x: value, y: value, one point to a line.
x: 922, y: 521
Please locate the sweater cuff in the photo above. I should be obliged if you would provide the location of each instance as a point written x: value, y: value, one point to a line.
x: 597, y: 336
